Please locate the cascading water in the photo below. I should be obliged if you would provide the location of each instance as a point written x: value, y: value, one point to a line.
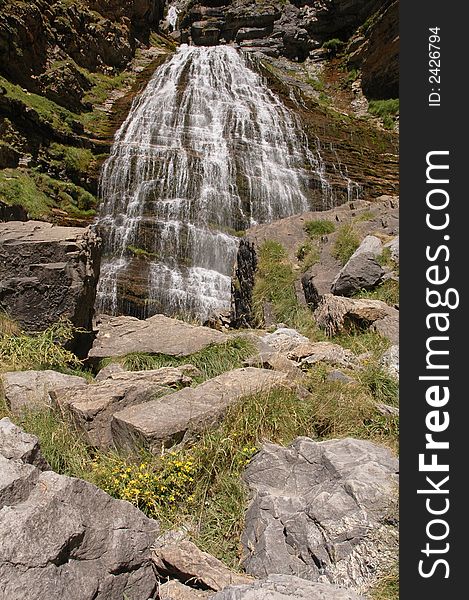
x: 206, y: 151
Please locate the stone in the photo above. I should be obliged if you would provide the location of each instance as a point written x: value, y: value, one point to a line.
x: 118, y: 336
x: 286, y: 587
x: 186, y: 562
x: 175, y: 590
x: 275, y: 361
x: 62, y: 536
x: 393, y: 246
x: 362, y: 271
x: 338, y: 376
x: 337, y: 314
x: 48, y: 273
x: 332, y: 354
x: 17, y: 445
x: 285, y: 339
x: 325, y: 511
x: 387, y: 411
x: 91, y: 407
x: 390, y: 361
x: 310, y: 291
x: 388, y: 327
x: 32, y: 389
x: 108, y: 371
x: 170, y: 419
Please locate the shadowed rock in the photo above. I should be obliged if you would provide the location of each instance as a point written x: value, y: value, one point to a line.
x: 362, y: 271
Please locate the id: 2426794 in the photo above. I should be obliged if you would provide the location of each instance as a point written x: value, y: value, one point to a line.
x: 434, y: 78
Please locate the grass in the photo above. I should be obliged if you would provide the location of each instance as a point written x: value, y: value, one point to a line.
x: 211, y: 361
x: 308, y: 254
x: 318, y: 227
x: 78, y: 160
x: 346, y: 242
x: 275, y: 284
x: 386, y: 292
x: 386, y: 110
x: 45, y: 350
x: 387, y: 587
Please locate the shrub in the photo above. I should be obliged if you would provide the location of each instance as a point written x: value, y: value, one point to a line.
x: 387, y: 110
x: 333, y: 46
x: 346, y: 242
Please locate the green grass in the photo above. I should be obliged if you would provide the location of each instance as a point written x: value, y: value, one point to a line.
x: 386, y: 110
x: 333, y: 45
x: 308, y: 254
x: 360, y: 342
x: 387, y: 587
x: 211, y: 361
x: 39, y: 194
x: 346, y: 242
x: 74, y: 159
x: 58, y: 118
x: 318, y: 227
x: 20, y: 351
x: 386, y: 292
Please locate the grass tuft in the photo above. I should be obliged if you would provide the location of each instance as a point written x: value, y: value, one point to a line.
x: 346, y: 242
x: 318, y: 227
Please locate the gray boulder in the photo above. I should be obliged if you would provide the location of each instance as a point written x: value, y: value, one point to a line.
x: 325, y: 511
x: 47, y: 273
x: 32, y: 389
x: 390, y: 360
x: 17, y: 445
x: 92, y: 406
x: 64, y: 539
x: 118, y: 336
x: 284, y: 339
x: 286, y: 587
x: 326, y: 352
x: 175, y: 590
x: 362, y: 271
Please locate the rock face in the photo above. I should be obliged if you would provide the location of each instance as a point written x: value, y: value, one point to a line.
x: 92, y: 406
x: 362, y: 271
x: 82, y: 539
x: 31, y: 389
x: 48, y: 273
x: 286, y: 587
x: 118, y: 336
x: 322, y: 510
x: 168, y: 420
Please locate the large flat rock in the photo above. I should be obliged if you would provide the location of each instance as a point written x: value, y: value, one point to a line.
x: 92, y: 406
x: 118, y: 336
x: 32, y: 389
x: 165, y: 421
x: 47, y: 273
x: 325, y: 511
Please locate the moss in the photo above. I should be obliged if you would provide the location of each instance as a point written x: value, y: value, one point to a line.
x: 74, y: 159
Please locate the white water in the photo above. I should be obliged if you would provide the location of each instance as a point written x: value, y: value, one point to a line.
x: 172, y: 16
x: 206, y: 150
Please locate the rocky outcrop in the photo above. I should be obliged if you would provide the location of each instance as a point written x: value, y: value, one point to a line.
x: 48, y: 273
x: 243, y: 284
x: 91, y: 407
x: 286, y: 587
x: 171, y: 419
x: 32, y: 389
x: 82, y: 539
x: 323, y: 511
x: 118, y: 336
x: 362, y: 271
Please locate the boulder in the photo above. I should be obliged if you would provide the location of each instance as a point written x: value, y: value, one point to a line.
x: 186, y: 562
x: 62, y: 536
x: 48, y: 273
x: 118, y: 336
x: 285, y: 339
x: 393, y: 246
x: 92, y: 406
x: 175, y: 590
x: 332, y: 354
x: 168, y: 420
x: 17, y: 445
x: 286, y: 587
x: 275, y: 361
x: 390, y: 361
x: 322, y: 510
x: 339, y: 377
x: 310, y: 291
x: 32, y: 389
x: 388, y: 327
x: 337, y: 314
x: 362, y: 270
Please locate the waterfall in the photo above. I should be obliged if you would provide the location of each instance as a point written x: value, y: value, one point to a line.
x: 206, y: 151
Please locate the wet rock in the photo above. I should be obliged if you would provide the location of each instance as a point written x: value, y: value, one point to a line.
x: 186, y: 562
x: 170, y: 419
x: 118, y: 336
x: 92, y: 406
x: 32, y: 389
x: 321, y: 510
x: 286, y: 587
x: 48, y: 273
